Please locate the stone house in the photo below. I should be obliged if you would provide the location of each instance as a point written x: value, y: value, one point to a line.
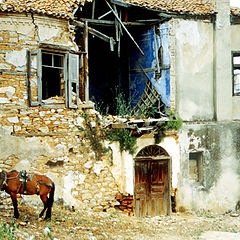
x: 57, y: 58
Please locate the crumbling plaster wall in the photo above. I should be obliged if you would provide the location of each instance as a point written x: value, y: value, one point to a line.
x: 47, y: 140
x: 219, y: 144
x: 191, y: 70
x: 18, y: 33
x: 64, y: 154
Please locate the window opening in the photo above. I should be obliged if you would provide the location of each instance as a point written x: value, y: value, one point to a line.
x: 195, y: 166
x: 52, y: 75
x: 236, y: 73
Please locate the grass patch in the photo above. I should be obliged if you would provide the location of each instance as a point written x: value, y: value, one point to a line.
x: 7, y: 231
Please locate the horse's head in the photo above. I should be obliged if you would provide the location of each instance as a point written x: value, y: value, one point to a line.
x: 3, y: 178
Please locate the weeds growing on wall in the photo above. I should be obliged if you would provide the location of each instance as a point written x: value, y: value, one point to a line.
x: 125, y: 138
x: 127, y: 141
x: 95, y: 136
x: 173, y: 123
x: 123, y: 107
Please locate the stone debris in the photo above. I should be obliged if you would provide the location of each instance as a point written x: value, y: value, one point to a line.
x: 88, y: 224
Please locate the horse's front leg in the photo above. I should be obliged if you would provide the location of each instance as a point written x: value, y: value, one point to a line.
x: 15, y: 204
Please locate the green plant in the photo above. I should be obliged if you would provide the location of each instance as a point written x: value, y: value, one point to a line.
x: 125, y: 138
x: 150, y: 112
x: 95, y: 136
x: 173, y: 123
x: 7, y: 231
x: 198, y: 232
x: 123, y: 108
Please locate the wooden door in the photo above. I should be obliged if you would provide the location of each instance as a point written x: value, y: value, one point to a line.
x: 151, y: 196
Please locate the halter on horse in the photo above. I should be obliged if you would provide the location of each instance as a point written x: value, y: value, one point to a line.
x: 15, y: 182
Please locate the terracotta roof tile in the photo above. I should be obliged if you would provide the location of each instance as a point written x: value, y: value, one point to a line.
x: 58, y: 8
x: 65, y: 8
x: 199, y: 7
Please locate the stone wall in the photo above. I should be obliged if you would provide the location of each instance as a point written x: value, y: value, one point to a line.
x: 47, y: 140
x: 61, y: 151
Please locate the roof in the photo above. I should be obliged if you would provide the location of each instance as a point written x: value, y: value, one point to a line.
x: 57, y: 8
x: 195, y: 7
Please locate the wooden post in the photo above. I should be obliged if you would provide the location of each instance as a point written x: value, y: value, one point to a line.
x: 86, y: 75
x: 119, y: 20
x: 93, y: 9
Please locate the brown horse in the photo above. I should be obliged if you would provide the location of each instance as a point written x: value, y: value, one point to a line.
x: 15, y: 182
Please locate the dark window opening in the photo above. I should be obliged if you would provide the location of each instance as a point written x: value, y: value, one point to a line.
x: 236, y: 73
x: 52, y: 75
x: 195, y: 166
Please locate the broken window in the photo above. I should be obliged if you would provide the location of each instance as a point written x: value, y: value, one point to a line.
x: 236, y: 73
x: 53, y: 79
x: 195, y: 166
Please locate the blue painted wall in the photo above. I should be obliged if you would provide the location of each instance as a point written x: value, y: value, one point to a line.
x: 149, y: 63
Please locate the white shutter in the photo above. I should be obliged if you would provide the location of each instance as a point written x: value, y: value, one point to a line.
x: 73, y: 81
x: 34, y: 77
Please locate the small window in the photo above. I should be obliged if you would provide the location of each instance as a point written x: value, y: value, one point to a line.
x: 236, y: 73
x: 52, y: 75
x: 195, y: 166
x: 53, y: 79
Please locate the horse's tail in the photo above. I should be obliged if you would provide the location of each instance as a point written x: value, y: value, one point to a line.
x: 51, y: 196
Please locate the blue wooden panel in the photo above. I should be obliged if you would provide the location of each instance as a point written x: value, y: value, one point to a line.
x: 149, y: 63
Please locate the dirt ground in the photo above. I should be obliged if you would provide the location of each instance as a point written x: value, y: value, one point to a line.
x: 79, y: 224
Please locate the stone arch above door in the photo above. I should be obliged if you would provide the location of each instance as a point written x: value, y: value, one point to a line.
x: 152, y: 151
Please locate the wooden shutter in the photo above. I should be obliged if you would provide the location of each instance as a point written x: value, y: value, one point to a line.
x: 34, y: 77
x: 72, y: 95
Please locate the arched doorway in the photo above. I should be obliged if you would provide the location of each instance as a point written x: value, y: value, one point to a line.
x: 152, y: 182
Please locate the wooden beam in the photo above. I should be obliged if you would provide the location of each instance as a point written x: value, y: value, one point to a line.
x: 95, y: 32
x: 156, y: 50
x: 119, y: 20
x: 111, y: 23
x: 105, y: 14
x: 93, y: 8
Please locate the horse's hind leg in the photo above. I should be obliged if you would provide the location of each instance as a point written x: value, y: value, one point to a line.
x: 44, y: 200
x: 48, y: 213
x: 15, y: 204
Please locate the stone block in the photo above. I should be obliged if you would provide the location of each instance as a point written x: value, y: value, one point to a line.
x: 13, y: 119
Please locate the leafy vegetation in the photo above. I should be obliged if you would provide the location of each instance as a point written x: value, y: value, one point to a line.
x: 7, y: 231
x: 123, y: 108
x: 125, y: 138
x: 127, y: 141
x: 95, y: 136
x: 173, y: 123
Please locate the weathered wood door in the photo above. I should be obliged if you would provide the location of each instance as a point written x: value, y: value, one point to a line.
x: 151, y: 196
